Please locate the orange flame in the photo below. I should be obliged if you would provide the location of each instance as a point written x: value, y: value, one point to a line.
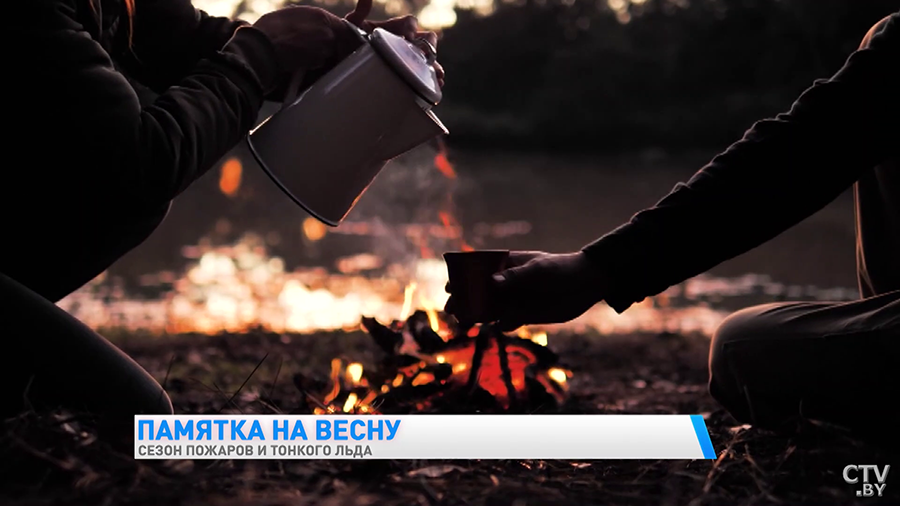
x: 314, y: 229
x: 433, y: 320
x: 406, y: 309
x: 446, y: 219
x: 443, y: 165
x: 230, y: 179
x: 450, y: 223
x: 335, y: 380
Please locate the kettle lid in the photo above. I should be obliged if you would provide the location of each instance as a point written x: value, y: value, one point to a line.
x: 411, y: 60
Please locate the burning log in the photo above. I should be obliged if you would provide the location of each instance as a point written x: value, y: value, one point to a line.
x: 386, y: 339
x: 427, y: 339
x: 430, y: 366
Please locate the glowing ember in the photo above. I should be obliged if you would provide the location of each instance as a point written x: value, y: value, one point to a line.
x: 558, y: 375
x: 538, y: 337
x: 460, y: 371
x: 354, y: 373
x: 350, y: 403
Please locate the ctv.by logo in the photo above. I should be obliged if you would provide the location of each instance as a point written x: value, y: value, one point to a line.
x: 869, y: 489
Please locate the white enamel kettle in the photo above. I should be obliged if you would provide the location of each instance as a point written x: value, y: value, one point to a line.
x: 326, y: 147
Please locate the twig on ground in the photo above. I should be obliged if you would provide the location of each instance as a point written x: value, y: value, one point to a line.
x: 244, y: 384
x: 277, y: 373
x: 713, y: 472
x: 166, y: 379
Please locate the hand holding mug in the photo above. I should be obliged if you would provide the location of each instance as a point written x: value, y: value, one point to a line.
x: 534, y: 287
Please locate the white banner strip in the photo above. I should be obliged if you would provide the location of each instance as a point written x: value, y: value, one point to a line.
x: 574, y: 437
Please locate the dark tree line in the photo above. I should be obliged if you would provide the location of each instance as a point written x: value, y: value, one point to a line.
x: 552, y: 75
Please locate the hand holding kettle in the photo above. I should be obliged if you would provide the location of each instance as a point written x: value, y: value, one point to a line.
x: 312, y: 40
x: 330, y: 139
x: 405, y: 26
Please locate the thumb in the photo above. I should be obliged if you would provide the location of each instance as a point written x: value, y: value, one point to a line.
x: 506, y: 281
x: 360, y: 13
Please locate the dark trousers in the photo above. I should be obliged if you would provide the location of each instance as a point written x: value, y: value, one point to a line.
x: 50, y: 359
x: 836, y: 362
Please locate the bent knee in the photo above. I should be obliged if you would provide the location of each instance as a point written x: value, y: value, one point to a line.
x: 145, y: 396
x: 746, y: 324
x: 151, y: 398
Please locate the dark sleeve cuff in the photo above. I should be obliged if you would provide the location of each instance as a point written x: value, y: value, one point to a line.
x: 257, y: 52
x: 610, y: 250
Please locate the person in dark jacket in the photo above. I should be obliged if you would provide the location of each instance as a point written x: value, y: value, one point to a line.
x: 770, y: 364
x: 115, y: 108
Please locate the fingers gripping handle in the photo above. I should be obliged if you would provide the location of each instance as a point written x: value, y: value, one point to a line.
x: 427, y: 49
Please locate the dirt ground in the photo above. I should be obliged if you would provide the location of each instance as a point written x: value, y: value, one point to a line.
x: 58, y: 460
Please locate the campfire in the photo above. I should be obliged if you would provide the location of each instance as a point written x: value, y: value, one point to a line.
x: 430, y: 364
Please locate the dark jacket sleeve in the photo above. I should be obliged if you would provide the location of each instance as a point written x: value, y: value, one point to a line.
x: 169, y: 37
x: 782, y: 171
x: 150, y: 154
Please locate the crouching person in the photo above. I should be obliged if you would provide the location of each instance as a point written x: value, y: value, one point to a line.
x: 836, y: 362
x: 117, y: 111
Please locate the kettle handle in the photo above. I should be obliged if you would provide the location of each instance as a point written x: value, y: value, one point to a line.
x: 427, y: 49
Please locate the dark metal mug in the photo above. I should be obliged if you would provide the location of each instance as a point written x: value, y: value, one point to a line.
x: 470, y: 274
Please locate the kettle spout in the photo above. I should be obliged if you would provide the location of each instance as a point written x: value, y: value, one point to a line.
x: 419, y: 127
